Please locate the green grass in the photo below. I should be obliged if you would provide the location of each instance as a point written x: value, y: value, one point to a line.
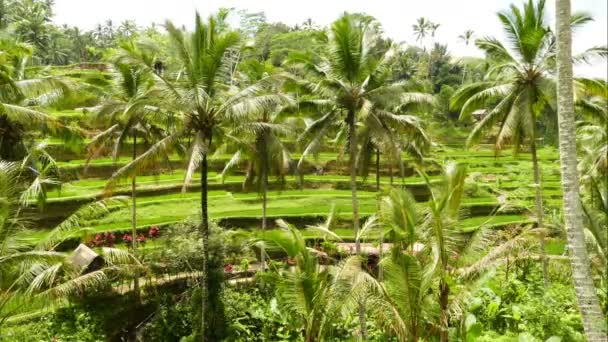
x: 514, y: 174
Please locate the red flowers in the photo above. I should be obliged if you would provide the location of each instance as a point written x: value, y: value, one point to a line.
x: 228, y: 268
x: 107, y: 239
x: 154, y: 232
x: 127, y: 238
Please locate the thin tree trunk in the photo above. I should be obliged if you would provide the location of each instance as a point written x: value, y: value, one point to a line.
x: 377, y: 170
x: 134, y: 220
x: 353, y: 176
x: 205, y: 237
x: 464, y: 72
x: 390, y: 170
x: 381, y: 255
x: 444, y: 293
x: 264, y: 198
x: 353, y: 186
x: 594, y: 323
x: 538, y: 200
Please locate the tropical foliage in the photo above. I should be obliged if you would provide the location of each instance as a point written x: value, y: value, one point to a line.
x: 148, y: 175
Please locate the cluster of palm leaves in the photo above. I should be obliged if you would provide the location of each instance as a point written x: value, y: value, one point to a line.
x: 34, y: 271
x: 593, y: 165
x: 21, y: 97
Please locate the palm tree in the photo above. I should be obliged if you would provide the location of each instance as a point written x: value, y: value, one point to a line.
x: 421, y: 29
x: 594, y: 322
x: 429, y: 248
x: 129, y: 111
x: 519, y: 86
x: 442, y: 236
x: 206, y: 98
x: 127, y: 28
x: 349, y: 86
x: 258, y: 144
x: 392, y: 138
x: 315, y: 294
x: 404, y: 305
x: 466, y: 39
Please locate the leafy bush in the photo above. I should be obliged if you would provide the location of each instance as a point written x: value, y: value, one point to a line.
x: 517, y: 307
x: 72, y: 324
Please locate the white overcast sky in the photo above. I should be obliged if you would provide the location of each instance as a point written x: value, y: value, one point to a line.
x: 396, y: 16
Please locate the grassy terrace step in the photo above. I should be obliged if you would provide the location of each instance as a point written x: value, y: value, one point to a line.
x: 244, y: 210
x: 93, y: 187
x: 477, y: 158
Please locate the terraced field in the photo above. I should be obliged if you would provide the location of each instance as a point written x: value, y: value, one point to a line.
x: 302, y: 199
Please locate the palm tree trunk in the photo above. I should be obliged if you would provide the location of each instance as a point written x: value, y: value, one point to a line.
x: 377, y: 170
x: 538, y: 200
x: 264, y: 201
x: 352, y: 142
x: 204, y: 230
x: 134, y: 220
x: 444, y: 293
x: 381, y: 255
x: 594, y: 322
x: 352, y: 133
x: 464, y: 72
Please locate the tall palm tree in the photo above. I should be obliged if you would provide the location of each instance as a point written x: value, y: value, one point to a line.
x: 393, y: 138
x: 130, y: 111
x: 350, y: 88
x: 519, y: 86
x: 421, y: 29
x: 203, y: 93
x: 259, y: 145
x: 466, y: 39
x: 594, y: 322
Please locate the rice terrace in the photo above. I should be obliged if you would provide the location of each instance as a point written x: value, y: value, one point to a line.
x: 278, y: 171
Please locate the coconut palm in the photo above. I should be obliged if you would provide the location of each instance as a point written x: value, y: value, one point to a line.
x: 206, y: 98
x: 594, y: 322
x: 404, y: 304
x: 315, y: 294
x: 442, y: 235
x: 421, y: 28
x: 259, y: 146
x: 129, y: 110
x: 394, y: 138
x: 519, y: 86
x: 350, y: 88
x: 430, y: 249
x: 466, y: 39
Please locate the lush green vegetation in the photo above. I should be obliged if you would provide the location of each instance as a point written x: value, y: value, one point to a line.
x: 271, y: 183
